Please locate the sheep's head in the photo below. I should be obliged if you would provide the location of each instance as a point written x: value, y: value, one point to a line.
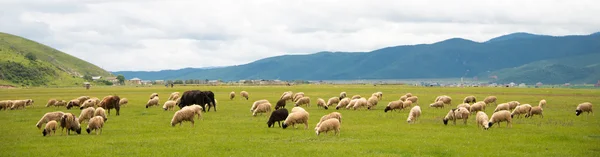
x: 284, y: 125
x: 78, y: 130
x: 88, y: 130
x: 270, y: 123
x: 578, y: 112
x: 165, y: 109
x: 45, y: 132
x: 146, y: 105
x: 445, y: 121
x: 337, y: 108
x: 387, y: 108
x: 317, y: 131
x: 490, y: 124
x: 328, y: 107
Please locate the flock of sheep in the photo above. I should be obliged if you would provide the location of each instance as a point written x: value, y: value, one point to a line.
x: 93, y: 110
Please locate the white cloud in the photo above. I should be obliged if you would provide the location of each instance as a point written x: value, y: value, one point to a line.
x: 155, y: 35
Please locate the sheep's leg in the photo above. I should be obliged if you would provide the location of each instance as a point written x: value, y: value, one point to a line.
x: 192, y: 123
x: 305, y: 126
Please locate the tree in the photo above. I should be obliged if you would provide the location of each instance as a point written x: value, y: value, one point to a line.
x: 121, y: 79
x: 31, y: 56
x: 87, y: 77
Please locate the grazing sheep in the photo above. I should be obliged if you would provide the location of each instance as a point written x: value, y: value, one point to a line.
x: 329, y: 125
x: 332, y: 115
x: 83, y: 98
x: 513, y: 104
x: 478, y: 106
x: 413, y: 99
x: 584, y: 107
x: 542, y: 103
x: 482, y: 120
x: 298, y: 117
x: 414, y: 115
x: 256, y: 103
x: 503, y: 106
x: 29, y: 102
x: 303, y: 101
x: 86, y: 114
x: 169, y: 105
x: 351, y: 104
x: 297, y: 96
x: 197, y: 110
x: 465, y: 105
x: 342, y: 95
x: 333, y: 100
x: 470, y: 99
x: 174, y: 96
x: 185, y: 114
x: 153, y: 95
x: 280, y: 104
x: 457, y: 113
x: 403, y: 98
x: 408, y: 95
x: 60, y: 103
x: 356, y: 97
x: 50, y: 116
x: 445, y: 99
x: 360, y: 103
x: 51, y: 102
x: 100, y: 112
x: 394, y: 105
x: 72, y: 103
x: 231, y: 95
x: 6, y: 104
x: 535, y: 110
x: 372, y: 102
x: 501, y: 116
x: 96, y: 101
x: 88, y: 103
x: 277, y: 116
x: 489, y: 100
x: 521, y: 109
x: 123, y: 102
x: 262, y: 108
x: 343, y: 102
x: 380, y: 95
x: 244, y: 94
x: 286, y: 96
x: 16, y: 104
x: 406, y: 104
x: 152, y: 102
x: 96, y: 123
x: 298, y: 109
x: 439, y: 104
x: 50, y: 128
x: 69, y: 122
x: 321, y: 103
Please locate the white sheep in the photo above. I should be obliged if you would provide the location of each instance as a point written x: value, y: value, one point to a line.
x: 51, y: 102
x: 446, y: 99
x: 297, y: 96
x: 482, y: 120
x: 535, y: 110
x: 16, y: 104
x: 262, y: 108
x: 406, y: 104
x: 153, y: 95
x: 403, y: 98
x: 503, y: 106
x: 478, y: 106
x: 360, y: 103
x: 465, y: 105
x: 50, y: 128
x: 501, y: 116
x: 393, y: 105
x: 408, y: 95
x: 542, y: 103
x: 470, y: 99
x: 303, y: 101
x: 439, y: 104
x: 414, y: 115
x: 152, y: 102
x: 69, y: 122
x: 197, y: 110
x: 455, y: 114
x: 356, y: 97
x: 100, y: 112
x: 231, y: 95
x: 88, y: 103
x: 298, y: 109
x: 50, y: 116
x: 244, y: 94
x: 321, y: 103
x: 96, y: 123
x: 169, y: 105
x: 6, y: 104
x: 286, y: 96
x: 513, y: 104
x: 372, y: 102
x: 123, y: 102
x: 60, y: 103
x: 298, y: 117
x: 333, y: 100
x: 174, y: 96
x: 343, y: 103
x: 342, y: 95
x: 521, y: 109
x: 256, y: 103
x: 185, y: 114
x: 332, y: 115
x: 489, y: 100
x: 86, y: 114
x: 584, y: 107
x: 329, y: 125
x: 413, y: 99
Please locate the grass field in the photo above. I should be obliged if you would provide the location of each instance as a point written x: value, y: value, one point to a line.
x: 233, y: 131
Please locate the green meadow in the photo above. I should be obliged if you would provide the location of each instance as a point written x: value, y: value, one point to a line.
x: 233, y: 131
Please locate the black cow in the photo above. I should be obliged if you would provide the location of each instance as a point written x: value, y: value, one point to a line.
x: 198, y: 97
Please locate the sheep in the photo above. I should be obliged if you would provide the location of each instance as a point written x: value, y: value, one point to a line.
x: 277, y: 116
x: 503, y: 106
x: 470, y: 99
x: 16, y: 104
x: 256, y: 103
x: 535, y: 110
x: 152, y: 102
x: 244, y: 94
x: 297, y: 96
x: 394, y: 105
x: 6, y: 104
x: 51, y: 102
x: 439, y: 104
x: 333, y: 100
x: 501, y: 116
x: 328, y: 125
x: 465, y: 105
x: 445, y: 99
x: 69, y: 122
x: 414, y: 115
x: 28, y: 102
x: 406, y: 104
x: 489, y: 100
x: 360, y: 103
x: 60, y: 103
x: 262, y: 108
x: 298, y: 109
x: 50, y: 116
x: 542, y: 103
x: 351, y: 103
x: 280, y: 104
x: 513, y: 104
x: 50, y: 128
x: 286, y: 96
x: 376, y: 95
x: 332, y: 115
x: 96, y: 101
x: 86, y: 114
x: 110, y: 102
x: 72, y: 103
x: 96, y: 123
x: 298, y: 117
x: 100, y: 112
x: 231, y: 95
x: 303, y: 101
x: 153, y: 95
x: 123, y: 102
x: 457, y: 113
x: 380, y: 95
x: 343, y: 102
x: 169, y: 105
x: 88, y: 103
x: 342, y: 95
x: 185, y: 114
x: 403, y: 98
x: 197, y: 110
x: 478, y: 106
x: 83, y: 98
x: 521, y: 109
x: 413, y: 99
x: 372, y: 102
x: 482, y: 120
x: 584, y: 107
x: 355, y: 97
x: 321, y: 103
x: 408, y: 95
x: 174, y: 96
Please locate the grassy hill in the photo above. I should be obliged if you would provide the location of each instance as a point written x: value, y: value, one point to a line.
x: 44, y: 66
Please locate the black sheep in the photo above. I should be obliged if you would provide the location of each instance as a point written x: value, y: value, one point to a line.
x: 280, y: 104
x: 277, y: 116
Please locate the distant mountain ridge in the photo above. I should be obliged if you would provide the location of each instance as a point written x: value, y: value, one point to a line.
x: 450, y: 58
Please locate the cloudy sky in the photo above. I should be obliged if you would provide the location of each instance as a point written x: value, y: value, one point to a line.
x: 173, y: 34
